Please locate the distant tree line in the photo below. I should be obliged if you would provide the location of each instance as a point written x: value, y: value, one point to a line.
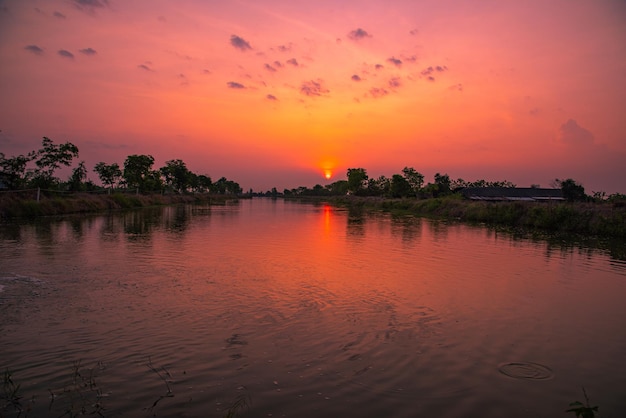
x: 410, y: 184
x: 37, y: 168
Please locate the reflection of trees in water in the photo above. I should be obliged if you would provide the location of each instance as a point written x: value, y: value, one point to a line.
x: 356, y: 218
x: 11, y: 232
x: 77, y: 225
x: 176, y: 218
x: 439, y: 229
x: 562, y: 244
x: 45, y: 233
x: 408, y: 229
x: 138, y: 224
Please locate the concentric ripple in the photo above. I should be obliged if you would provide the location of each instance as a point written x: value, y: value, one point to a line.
x: 526, y: 370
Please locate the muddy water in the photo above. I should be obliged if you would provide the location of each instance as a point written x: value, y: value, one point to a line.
x: 272, y: 308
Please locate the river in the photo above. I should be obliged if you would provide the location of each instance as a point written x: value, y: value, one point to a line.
x: 270, y: 308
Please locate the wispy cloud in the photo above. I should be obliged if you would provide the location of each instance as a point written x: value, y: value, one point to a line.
x: 293, y: 62
x: 358, y: 34
x: 88, y: 51
x: 313, y: 88
x: 239, y: 43
x: 34, y: 49
x: 271, y: 97
x: 377, y: 92
x: 269, y: 68
x: 145, y: 67
x: 356, y: 77
x: 395, y: 61
x: 285, y: 48
x: 90, y: 6
x: 395, y: 82
x: 572, y: 133
x: 91, y: 3
x: 430, y: 71
x: 65, y: 53
x: 184, y: 81
x: 235, y: 85
x: 59, y: 15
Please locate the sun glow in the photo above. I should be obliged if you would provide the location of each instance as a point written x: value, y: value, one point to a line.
x: 328, y: 174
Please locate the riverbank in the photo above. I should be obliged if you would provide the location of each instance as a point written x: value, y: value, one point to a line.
x: 594, y: 219
x: 599, y: 219
x: 23, y: 205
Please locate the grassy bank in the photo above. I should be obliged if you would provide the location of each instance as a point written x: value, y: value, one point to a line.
x: 601, y: 219
x: 20, y: 205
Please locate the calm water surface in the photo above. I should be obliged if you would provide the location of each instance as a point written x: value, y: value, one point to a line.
x: 272, y: 308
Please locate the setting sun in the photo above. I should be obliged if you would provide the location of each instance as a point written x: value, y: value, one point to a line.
x: 328, y: 174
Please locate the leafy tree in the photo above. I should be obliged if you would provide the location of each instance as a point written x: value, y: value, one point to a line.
x: 49, y: 158
x: 225, y: 186
x: 357, y: 179
x: 203, y: 183
x: 78, y: 177
x: 177, y: 175
x: 109, y: 174
x: 503, y: 183
x: 572, y: 191
x: 400, y: 186
x: 442, y: 183
x: 137, y: 172
x: 12, y: 170
x: 337, y: 188
x: 153, y: 181
x: 414, y: 178
x: 379, y: 187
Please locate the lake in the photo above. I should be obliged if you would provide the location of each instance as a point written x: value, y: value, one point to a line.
x: 271, y: 308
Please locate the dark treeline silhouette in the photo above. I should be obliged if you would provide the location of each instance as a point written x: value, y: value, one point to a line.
x: 410, y: 184
x: 37, y: 168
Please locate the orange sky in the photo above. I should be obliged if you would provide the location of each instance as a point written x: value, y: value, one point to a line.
x: 269, y: 93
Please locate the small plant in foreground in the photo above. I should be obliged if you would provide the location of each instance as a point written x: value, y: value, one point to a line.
x: 583, y: 410
x: 165, y: 376
x: 10, y: 394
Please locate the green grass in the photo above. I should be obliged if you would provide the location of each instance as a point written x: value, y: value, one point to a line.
x: 595, y: 219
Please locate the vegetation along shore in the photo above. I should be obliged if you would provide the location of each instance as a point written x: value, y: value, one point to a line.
x: 598, y: 219
x: 29, y: 188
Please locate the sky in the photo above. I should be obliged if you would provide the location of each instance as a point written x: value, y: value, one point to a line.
x: 277, y: 93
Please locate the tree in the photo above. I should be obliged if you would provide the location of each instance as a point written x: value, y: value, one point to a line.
x: 415, y: 178
x: 177, y: 175
x: 379, y: 187
x: 442, y: 181
x: 78, y: 177
x: 137, y: 171
x: 572, y: 191
x: 337, y: 188
x: 49, y: 158
x: 203, y: 183
x: 225, y: 186
x: 400, y: 187
x: 357, y: 179
x: 12, y: 170
x: 109, y: 174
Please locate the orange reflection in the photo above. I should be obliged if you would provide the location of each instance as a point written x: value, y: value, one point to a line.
x: 327, y: 215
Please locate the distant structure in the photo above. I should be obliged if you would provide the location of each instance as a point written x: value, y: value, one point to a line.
x: 526, y: 194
